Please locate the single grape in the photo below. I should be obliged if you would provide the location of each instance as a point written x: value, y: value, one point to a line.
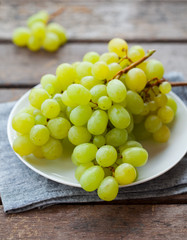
x: 152, y: 123
x: 116, y: 90
x: 108, y: 189
x: 98, y: 91
x: 49, y: 79
x: 34, y: 44
x: 84, y: 69
x: 50, y: 89
x: 81, y: 169
x: 97, y: 122
x: 37, y: 96
x: 134, y: 102
x: 23, y: 145
x: 78, y: 94
x: 50, y: 108
x: 116, y: 137
x: 52, y: 149
x: 99, y: 140
x: 80, y: 115
x: 68, y: 111
x: 58, y: 30
x: 152, y: 106
x: 135, y: 53
x: 23, y: 122
x: 109, y: 57
x: 166, y: 114
x: 165, y: 87
x: 136, y: 156
x: 129, y: 144
x: 119, y: 46
x: 92, y: 57
x: 41, y: 16
x: 104, y: 103
x: 58, y: 97
x: 29, y: 109
x: 125, y: 174
x: 154, y: 69
x: 100, y: 70
x: 113, y: 69
x: 78, y: 135
x: 38, y: 30
x: 162, y: 135
x: 67, y: 101
x: 161, y: 100
x: 88, y: 82
x: 51, y: 42
x: 21, y: 36
x: 39, y: 135
x: 172, y: 104
x: 135, y: 79
x: 106, y: 156
x: 59, y: 127
x: 40, y: 119
x: 38, y: 153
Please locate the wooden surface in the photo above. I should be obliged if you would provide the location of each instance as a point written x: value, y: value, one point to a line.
x: 155, y: 24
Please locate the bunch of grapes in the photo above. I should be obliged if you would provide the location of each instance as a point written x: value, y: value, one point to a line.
x: 103, y: 105
x: 39, y: 34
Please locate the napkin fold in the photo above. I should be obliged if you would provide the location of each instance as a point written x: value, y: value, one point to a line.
x: 21, y: 189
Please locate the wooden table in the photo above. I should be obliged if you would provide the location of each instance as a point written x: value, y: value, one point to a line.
x: 90, y: 24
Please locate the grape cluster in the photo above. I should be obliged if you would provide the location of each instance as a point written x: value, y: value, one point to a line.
x: 39, y: 34
x: 102, y: 105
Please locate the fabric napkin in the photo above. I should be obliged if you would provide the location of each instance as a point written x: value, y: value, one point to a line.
x: 21, y: 189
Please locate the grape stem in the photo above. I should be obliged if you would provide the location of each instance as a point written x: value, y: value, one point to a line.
x: 159, y: 81
x: 56, y: 13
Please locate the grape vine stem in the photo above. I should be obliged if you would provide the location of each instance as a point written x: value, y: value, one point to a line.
x: 56, y: 13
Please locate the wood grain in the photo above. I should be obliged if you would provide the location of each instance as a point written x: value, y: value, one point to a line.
x: 103, y: 19
x: 154, y: 222
x: 25, y: 68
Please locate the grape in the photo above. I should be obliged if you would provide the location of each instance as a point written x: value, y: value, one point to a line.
x: 119, y: 116
x: 49, y: 79
x: 135, y: 53
x: 38, y: 152
x: 113, y: 69
x: 166, y: 114
x: 29, y: 109
x: 58, y: 98
x: 58, y: 30
x: 23, y: 145
x: 129, y: 144
x: 108, y: 189
x: 161, y: 100
x: 109, y: 57
x: 88, y: 82
x: 136, y: 156
x: 67, y: 101
x: 116, y: 137
x: 119, y: 46
x: 52, y: 149
x: 99, y: 140
x: 66, y: 75
x: 153, y: 123
x: 106, y: 156
x: 33, y: 44
x: 50, y: 108
x: 100, y: 70
x: 51, y: 42
x: 172, y: 104
x: 21, y: 36
x: 131, y: 125
x: 125, y: 174
x: 68, y: 111
x: 154, y: 69
x: 92, y: 57
x: 165, y: 87
x: 40, y: 119
x: 97, y: 122
x: 38, y: 30
x: 39, y: 135
x: 98, y: 91
x: 37, y: 96
x: 41, y: 16
x: 78, y: 94
x: 142, y: 66
x: 78, y: 135
x: 152, y: 106
x: 80, y: 115
x: 91, y: 178
x: 140, y: 132
x: 116, y: 90
x: 81, y: 169
x: 23, y: 122
x: 145, y: 109
x: 134, y: 102
x: 135, y: 79
x: 59, y: 127
x: 50, y: 89
x: 84, y: 153
x: 104, y: 103
x: 84, y: 69
x: 162, y: 135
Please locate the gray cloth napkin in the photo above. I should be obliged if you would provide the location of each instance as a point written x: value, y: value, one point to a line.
x: 21, y: 189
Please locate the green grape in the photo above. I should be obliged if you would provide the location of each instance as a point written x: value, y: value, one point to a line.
x: 106, y: 156
x: 38, y: 30
x: 134, y: 102
x: 129, y: 144
x: 136, y: 156
x: 113, y: 69
x: 66, y: 75
x: 63, y: 115
x: 29, y: 109
x: 161, y: 100
x: 166, y: 114
x: 135, y: 79
x: 39, y: 135
x: 21, y: 36
x: 97, y: 122
x: 165, y: 87
x: 88, y: 82
x: 100, y: 70
x: 81, y: 169
x: 37, y: 96
x: 33, y: 44
x: 78, y: 135
x: 135, y: 53
x: 142, y: 66
x: 109, y: 57
x: 52, y: 149
x: 172, y: 104
x: 50, y: 108
x: 104, y: 103
x: 154, y: 69
x: 152, y: 106
x: 91, y: 178
x: 162, y: 135
x: 51, y: 42
x: 58, y: 30
x: 124, y: 63
x: 50, y: 89
x: 49, y: 79
x: 123, y: 103
x: 116, y: 137
x: 108, y: 189
x: 152, y: 123
x: 98, y: 91
x: 119, y: 46
x: 41, y: 16
x: 92, y: 57
x: 23, y: 122
x: 80, y: 115
x: 116, y: 90
x: 59, y: 127
x: 68, y: 111
x: 78, y: 94
x: 84, y: 153
x: 99, y: 140
x: 140, y: 132
x: 67, y: 101
x: 23, y: 145
x: 119, y: 116
x: 58, y: 98
x: 38, y: 152
x: 131, y: 125
x: 40, y: 119
x: 84, y: 69
x: 125, y: 174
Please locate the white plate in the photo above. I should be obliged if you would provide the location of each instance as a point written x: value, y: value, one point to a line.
x: 162, y: 157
